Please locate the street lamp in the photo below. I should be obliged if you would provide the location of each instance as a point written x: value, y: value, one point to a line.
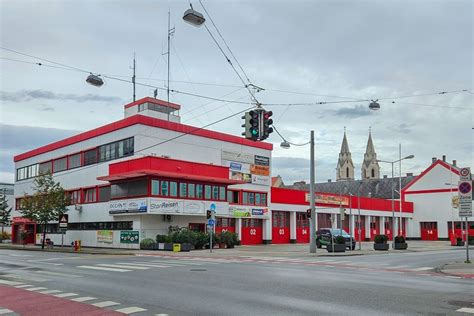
x: 312, y: 226
x: 393, y: 191
x: 193, y: 17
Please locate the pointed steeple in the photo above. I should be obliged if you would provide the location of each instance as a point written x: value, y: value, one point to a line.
x: 345, y: 167
x: 370, y: 165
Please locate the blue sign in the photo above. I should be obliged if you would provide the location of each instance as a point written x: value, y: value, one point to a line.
x: 235, y: 166
x: 257, y: 211
x: 210, y: 222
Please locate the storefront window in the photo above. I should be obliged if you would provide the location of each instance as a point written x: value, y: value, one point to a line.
x: 164, y: 188
x: 173, y: 188
x: 222, y: 193
x: 192, y: 190
x: 183, y: 190
x: 215, y: 192
x: 155, y: 187
x: 207, y: 192
x: 199, y: 189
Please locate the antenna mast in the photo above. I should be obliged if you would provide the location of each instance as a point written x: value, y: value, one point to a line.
x: 170, y: 33
x: 133, y: 78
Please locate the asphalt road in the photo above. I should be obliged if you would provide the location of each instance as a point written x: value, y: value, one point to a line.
x: 385, y: 284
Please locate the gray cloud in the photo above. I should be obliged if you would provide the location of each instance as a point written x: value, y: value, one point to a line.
x: 29, y: 95
x: 352, y: 112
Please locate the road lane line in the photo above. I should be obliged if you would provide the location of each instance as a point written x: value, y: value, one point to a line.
x: 63, y: 295
x: 105, y: 304
x: 83, y: 299
x: 122, y: 266
x: 5, y: 311
x: 103, y: 268
x: 151, y: 265
x: 422, y: 269
x: 23, y: 286
x: 39, y: 288
x: 130, y: 310
x: 466, y: 310
x: 50, y: 292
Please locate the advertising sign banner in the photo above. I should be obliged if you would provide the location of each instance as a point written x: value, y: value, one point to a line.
x: 237, y: 156
x: 262, y: 160
x: 191, y: 207
x: 128, y: 206
x: 260, y: 170
x: 239, y: 212
x: 241, y: 176
x: 165, y: 206
x: 260, y: 180
x: 260, y: 211
x: 105, y: 236
x: 329, y: 199
x: 235, y: 166
x: 129, y: 237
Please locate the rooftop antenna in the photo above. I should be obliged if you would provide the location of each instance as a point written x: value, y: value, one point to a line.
x: 170, y: 33
x: 133, y: 77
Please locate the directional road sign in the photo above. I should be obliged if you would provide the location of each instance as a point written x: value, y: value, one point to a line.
x: 210, y: 222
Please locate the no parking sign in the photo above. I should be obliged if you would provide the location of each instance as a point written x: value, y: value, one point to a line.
x: 465, y: 198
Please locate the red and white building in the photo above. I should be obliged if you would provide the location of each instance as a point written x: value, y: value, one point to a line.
x: 134, y: 178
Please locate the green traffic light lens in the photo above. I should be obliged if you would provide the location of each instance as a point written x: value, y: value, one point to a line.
x: 254, y: 132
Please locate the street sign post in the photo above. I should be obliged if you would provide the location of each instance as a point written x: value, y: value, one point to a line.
x: 63, y: 220
x: 465, y: 202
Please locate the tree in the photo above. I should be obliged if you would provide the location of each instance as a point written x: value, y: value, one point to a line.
x: 5, y: 211
x: 47, y: 204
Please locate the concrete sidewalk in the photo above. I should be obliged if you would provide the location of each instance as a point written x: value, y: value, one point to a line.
x: 68, y: 249
x: 459, y: 269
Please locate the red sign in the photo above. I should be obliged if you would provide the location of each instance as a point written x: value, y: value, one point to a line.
x: 19, y: 219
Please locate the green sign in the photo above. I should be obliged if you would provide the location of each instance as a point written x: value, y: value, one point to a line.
x: 129, y: 237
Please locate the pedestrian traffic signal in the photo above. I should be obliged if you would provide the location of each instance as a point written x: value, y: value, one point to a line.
x: 208, y: 214
x: 308, y: 213
x: 267, y: 124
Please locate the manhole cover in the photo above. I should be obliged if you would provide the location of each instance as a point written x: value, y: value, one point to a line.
x: 198, y: 270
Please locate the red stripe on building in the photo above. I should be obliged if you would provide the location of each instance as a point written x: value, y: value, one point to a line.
x: 432, y: 191
x: 144, y: 120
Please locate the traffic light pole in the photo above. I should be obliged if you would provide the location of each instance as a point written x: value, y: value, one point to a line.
x: 312, y: 226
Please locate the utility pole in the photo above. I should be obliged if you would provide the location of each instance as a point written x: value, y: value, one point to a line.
x: 312, y: 226
x: 400, y: 223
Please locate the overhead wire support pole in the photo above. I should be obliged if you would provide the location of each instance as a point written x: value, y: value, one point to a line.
x: 312, y: 226
x: 169, y: 38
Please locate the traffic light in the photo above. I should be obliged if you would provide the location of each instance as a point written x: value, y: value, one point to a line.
x: 208, y: 214
x: 308, y: 213
x: 267, y: 123
x: 251, y: 125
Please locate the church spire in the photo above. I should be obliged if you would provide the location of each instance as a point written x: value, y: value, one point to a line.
x: 345, y: 167
x: 370, y: 165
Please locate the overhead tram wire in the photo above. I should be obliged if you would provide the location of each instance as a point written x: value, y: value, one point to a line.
x: 284, y: 139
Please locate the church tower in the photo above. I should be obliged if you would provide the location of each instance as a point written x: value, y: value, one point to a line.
x: 370, y: 166
x: 345, y: 167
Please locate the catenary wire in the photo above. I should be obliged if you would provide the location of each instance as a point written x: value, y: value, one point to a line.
x: 283, y: 138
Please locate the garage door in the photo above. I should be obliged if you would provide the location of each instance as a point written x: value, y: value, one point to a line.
x: 302, y: 228
x: 252, y: 232
x: 280, y: 227
x: 429, y: 230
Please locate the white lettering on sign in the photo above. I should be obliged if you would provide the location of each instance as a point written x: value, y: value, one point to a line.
x: 253, y: 231
x: 224, y: 230
x: 305, y: 232
x: 281, y: 231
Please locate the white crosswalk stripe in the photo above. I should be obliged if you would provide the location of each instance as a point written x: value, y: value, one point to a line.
x: 104, y: 268
x: 422, y: 269
x: 7, y: 282
x: 123, y: 266
x: 5, y: 311
x: 105, y: 304
x: 83, y: 299
x: 23, y: 286
x: 64, y: 295
x: 130, y: 310
x: 50, y: 292
x: 466, y: 310
x: 39, y: 288
x: 151, y: 265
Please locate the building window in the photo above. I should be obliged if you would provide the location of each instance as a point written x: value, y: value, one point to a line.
x: 164, y: 188
x: 222, y: 193
x: 207, y: 192
x: 373, y: 173
x: 155, y: 187
x: 245, y: 197
x: 60, y: 164
x: 74, y: 197
x: 347, y: 172
x: 183, y: 190
x: 116, y: 150
x: 122, y: 225
x: 32, y: 171
x: 90, y: 195
x: 45, y: 167
x: 90, y: 157
x: 129, y: 189
x: 104, y: 194
x: 50, y: 229
x: 251, y: 200
x: 215, y: 193
x: 199, y: 191
x: 258, y: 199
x: 233, y: 197
x: 173, y: 188
x: 74, y: 161
x: 192, y: 190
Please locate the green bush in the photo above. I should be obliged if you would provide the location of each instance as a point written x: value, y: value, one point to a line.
x: 399, y: 240
x: 229, y: 238
x: 201, y: 239
x: 184, y: 236
x: 5, y: 235
x: 163, y: 238
x: 380, y: 239
x: 339, y: 240
x: 147, y: 243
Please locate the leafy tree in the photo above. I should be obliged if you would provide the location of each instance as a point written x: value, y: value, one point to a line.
x: 47, y: 204
x: 5, y: 211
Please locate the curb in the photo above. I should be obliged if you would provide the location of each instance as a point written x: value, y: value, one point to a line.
x: 68, y: 250
x: 458, y: 275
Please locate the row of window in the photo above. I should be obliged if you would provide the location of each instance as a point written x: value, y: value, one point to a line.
x: 247, y: 198
x: 114, y: 150
x: 54, y: 228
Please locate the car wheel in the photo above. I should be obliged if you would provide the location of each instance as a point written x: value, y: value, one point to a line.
x: 318, y: 244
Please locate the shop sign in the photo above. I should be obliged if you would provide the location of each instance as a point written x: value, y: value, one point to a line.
x: 237, y: 156
x: 329, y: 199
x: 105, y: 236
x: 129, y: 237
x: 260, y: 211
x: 239, y: 212
x: 235, y: 166
x: 260, y: 180
x: 165, y: 206
x: 19, y: 219
x: 128, y: 206
x: 262, y: 160
x: 247, y: 178
x: 260, y: 170
x: 193, y: 207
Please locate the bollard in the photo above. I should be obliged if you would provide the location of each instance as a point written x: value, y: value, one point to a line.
x: 78, y: 245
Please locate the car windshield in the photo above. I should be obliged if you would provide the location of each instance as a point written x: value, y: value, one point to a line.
x: 337, y: 232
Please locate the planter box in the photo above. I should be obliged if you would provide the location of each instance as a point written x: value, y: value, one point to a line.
x: 167, y: 246
x: 186, y: 247
x: 337, y: 248
x: 460, y: 243
x: 471, y: 242
x: 230, y: 246
x: 401, y: 246
x: 381, y: 246
x: 222, y: 245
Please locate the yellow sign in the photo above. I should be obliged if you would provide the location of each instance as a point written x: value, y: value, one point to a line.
x: 260, y: 170
x: 455, y: 201
x: 329, y: 199
x: 105, y: 236
x: 176, y: 247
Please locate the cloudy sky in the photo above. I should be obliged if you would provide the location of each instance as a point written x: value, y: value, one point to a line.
x: 298, y: 51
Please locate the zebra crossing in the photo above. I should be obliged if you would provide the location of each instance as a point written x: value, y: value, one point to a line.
x: 130, y: 266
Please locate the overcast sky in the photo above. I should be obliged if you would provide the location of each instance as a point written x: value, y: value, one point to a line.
x: 298, y: 51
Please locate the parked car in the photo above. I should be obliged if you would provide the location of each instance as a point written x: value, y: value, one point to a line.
x: 324, y: 237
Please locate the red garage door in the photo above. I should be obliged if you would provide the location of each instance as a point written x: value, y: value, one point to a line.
x: 359, y: 223
x: 429, y: 230
x: 252, y: 233
x: 374, y: 227
x: 302, y: 228
x: 388, y: 227
x: 225, y: 224
x: 280, y: 227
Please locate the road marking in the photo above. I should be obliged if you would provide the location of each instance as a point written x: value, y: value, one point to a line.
x: 399, y: 267
x: 14, y: 255
x: 466, y: 310
x: 5, y: 311
x: 39, y: 288
x: 422, y: 269
x: 161, y: 315
x: 66, y: 295
x: 105, y: 304
x: 183, y: 262
x: 23, y: 286
x: 169, y: 263
x: 130, y: 310
x: 122, y: 266
x: 83, y: 299
x: 50, y: 292
x: 150, y: 265
x: 25, y: 277
x: 6, y: 282
x: 104, y: 268
x: 454, y: 277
